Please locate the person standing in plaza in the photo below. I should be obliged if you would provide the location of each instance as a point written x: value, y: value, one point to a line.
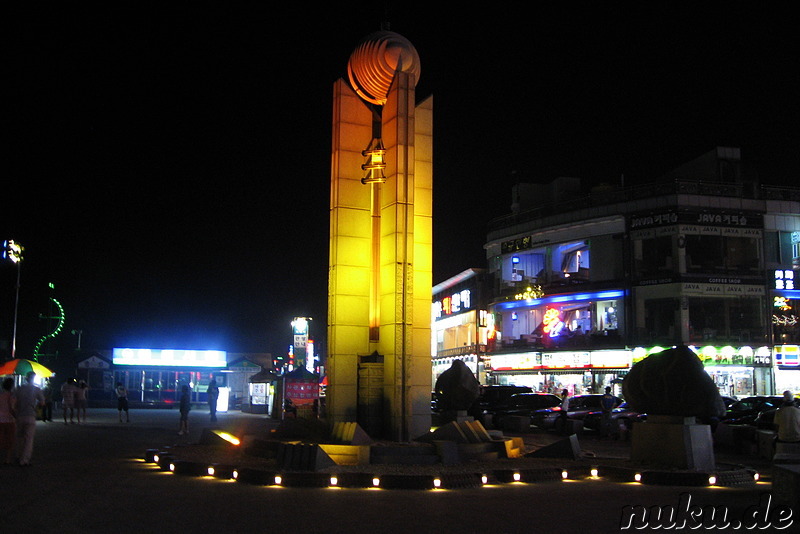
x: 787, y: 419
x: 8, y: 421
x: 607, y: 404
x: 68, y: 399
x: 213, y: 396
x: 28, y: 399
x: 185, y: 407
x: 47, y: 409
x: 122, y: 402
x: 81, y: 401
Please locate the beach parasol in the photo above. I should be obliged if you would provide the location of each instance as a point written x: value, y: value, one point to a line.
x: 22, y: 367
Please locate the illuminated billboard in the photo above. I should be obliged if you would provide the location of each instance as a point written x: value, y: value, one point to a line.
x: 170, y: 357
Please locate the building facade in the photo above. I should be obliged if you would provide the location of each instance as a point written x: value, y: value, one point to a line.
x: 461, y: 326
x: 582, y: 287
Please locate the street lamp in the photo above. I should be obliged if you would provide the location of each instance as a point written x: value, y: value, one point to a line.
x: 13, y: 251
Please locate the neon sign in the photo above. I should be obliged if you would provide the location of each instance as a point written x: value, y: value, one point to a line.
x: 173, y: 358
x: 530, y: 293
x: 455, y: 303
x: 784, y: 279
x: 552, y: 322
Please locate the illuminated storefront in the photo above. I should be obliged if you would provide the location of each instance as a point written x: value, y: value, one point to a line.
x: 155, y: 376
x: 579, y: 372
x: 787, y: 368
x: 737, y: 371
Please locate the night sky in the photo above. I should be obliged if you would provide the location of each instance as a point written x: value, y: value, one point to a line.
x: 167, y: 167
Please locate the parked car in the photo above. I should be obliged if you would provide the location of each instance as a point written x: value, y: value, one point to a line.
x: 745, y: 411
x: 579, y: 407
x: 491, y: 397
x: 524, y: 404
x: 621, y: 415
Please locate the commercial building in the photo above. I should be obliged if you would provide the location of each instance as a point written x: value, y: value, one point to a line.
x: 461, y: 326
x: 583, y: 286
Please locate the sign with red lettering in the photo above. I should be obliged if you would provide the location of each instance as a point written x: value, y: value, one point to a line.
x: 302, y: 391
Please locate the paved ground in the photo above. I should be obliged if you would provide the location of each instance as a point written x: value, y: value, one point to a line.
x: 91, y: 478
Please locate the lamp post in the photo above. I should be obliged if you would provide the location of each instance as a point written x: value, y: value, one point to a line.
x: 78, y: 333
x: 13, y: 251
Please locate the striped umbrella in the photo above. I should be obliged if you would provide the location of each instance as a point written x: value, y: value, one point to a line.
x: 22, y: 367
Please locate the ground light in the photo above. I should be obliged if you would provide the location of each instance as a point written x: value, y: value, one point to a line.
x: 376, y: 482
x: 227, y: 436
x: 334, y: 481
x: 484, y: 479
x: 637, y: 477
x: 594, y: 472
x: 712, y: 480
x: 278, y: 480
x: 564, y: 475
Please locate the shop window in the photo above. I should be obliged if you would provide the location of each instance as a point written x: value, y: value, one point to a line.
x: 704, y: 253
x: 571, y: 261
x: 726, y: 319
x: 654, y: 256
x: 662, y: 321
x: 730, y: 254
x: 742, y: 254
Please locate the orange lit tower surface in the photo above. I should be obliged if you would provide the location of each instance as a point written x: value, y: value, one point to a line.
x: 380, y: 276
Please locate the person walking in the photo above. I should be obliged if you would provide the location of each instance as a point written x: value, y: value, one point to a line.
x: 122, y: 402
x: 8, y: 421
x: 185, y: 407
x: 28, y: 399
x: 68, y: 399
x: 81, y: 401
x: 213, y: 396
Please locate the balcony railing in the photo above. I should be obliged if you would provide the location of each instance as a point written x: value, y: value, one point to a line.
x: 461, y: 351
x: 685, y: 187
x: 580, y: 341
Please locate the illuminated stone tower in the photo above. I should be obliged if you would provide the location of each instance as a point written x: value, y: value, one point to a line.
x: 380, y: 277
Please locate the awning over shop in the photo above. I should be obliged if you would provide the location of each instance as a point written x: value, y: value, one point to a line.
x: 262, y: 376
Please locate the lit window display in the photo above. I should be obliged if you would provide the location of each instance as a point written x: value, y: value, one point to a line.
x: 557, y: 321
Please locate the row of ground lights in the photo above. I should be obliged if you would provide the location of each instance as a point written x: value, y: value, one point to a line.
x: 166, y: 463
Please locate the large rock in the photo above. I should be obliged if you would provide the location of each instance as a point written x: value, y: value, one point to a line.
x: 457, y: 388
x: 672, y: 382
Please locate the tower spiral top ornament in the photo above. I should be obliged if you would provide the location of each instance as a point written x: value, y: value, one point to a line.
x: 375, y: 60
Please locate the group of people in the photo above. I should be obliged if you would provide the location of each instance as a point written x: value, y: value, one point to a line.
x: 185, y: 405
x: 18, y: 413
x: 74, y: 399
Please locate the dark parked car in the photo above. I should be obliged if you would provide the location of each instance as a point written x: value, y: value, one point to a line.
x: 579, y: 407
x: 491, y: 397
x: 745, y: 411
x: 621, y: 415
x: 524, y: 404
